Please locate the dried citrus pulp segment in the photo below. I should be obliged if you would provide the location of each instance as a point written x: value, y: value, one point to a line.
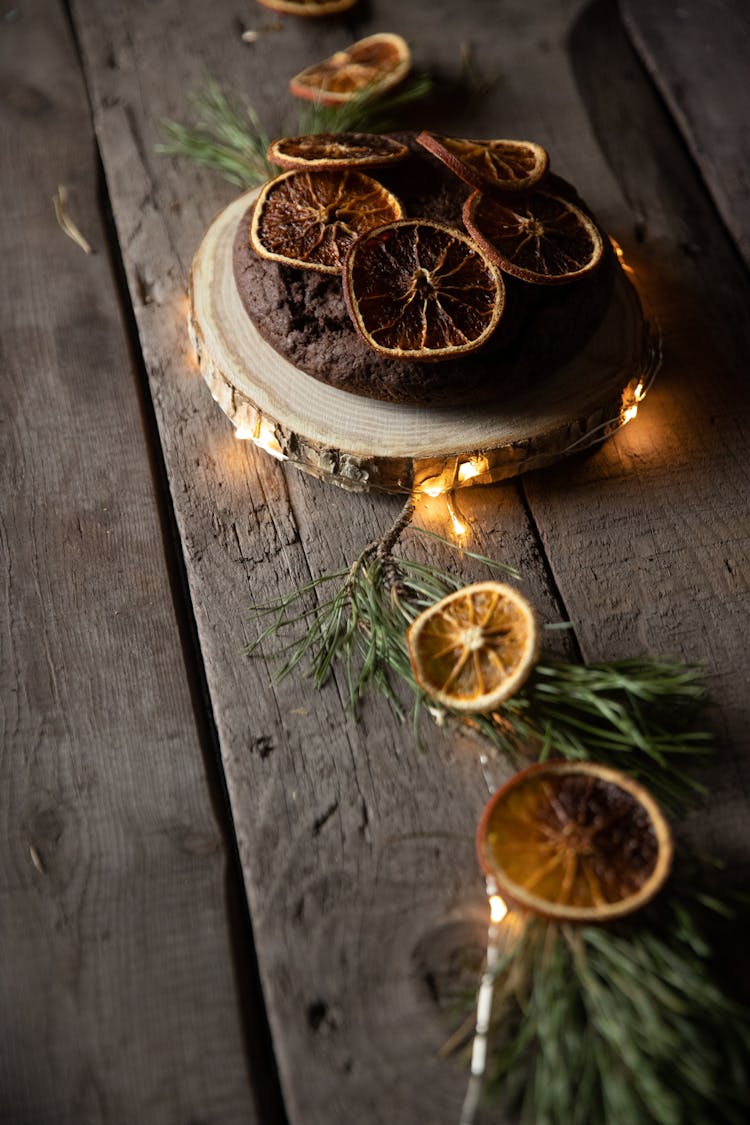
x: 538, y: 237
x: 575, y: 841
x: 336, y: 150
x: 308, y: 7
x: 375, y: 64
x: 421, y: 290
x: 506, y: 165
x: 309, y: 219
x: 474, y: 648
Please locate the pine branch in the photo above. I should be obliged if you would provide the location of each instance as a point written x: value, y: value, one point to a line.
x: 620, y: 1024
x: 226, y: 137
x: 230, y: 138
x: 634, y: 715
x: 367, y: 112
x: 359, y: 618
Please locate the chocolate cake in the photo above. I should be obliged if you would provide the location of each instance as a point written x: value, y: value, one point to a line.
x: 303, y: 315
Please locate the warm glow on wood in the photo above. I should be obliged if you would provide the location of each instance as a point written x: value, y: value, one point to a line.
x: 459, y: 527
x: 262, y: 434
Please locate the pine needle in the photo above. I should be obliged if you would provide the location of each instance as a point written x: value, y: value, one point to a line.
x: 618, y: 1025
x: 64, y: 221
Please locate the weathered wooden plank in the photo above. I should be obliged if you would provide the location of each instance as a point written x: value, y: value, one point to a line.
x: 357, y: 850
x: 697, y: 53
x: 117, y: 987
x: 649, y: 539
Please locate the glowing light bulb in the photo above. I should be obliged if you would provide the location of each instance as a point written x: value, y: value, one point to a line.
x: 620, y: 255
x: 629, y: 414
x: 434, y: 490
x: 498, y: 909
x: 639, y: 393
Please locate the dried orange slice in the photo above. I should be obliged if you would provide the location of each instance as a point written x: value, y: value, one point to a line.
x: 474, y: 648
x: 575, y: 841
x: 308, y: 7
x: 539, y: 238
x: 310, y: 219
x: 420, y: 290
x: 328, y: 151
x: 375, y: 64
x: 506, y: 165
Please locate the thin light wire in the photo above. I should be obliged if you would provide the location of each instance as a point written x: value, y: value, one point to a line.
x: 484, y: 1014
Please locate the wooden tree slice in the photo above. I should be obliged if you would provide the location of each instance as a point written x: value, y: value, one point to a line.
x: 362, y: 444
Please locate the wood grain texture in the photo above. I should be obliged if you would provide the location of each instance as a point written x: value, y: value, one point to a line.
x: 362, y: 444
x: 117, y: 989
x: 357, y: 848
x: 698, y: 52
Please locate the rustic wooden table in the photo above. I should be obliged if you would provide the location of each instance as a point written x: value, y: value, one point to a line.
x: 220, y: 900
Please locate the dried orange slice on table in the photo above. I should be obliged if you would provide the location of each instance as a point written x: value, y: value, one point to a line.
x: 539, y: 238
x: 575, y: 841
x: 310, y: 219
x: 308, y: 7
x: 475, y: 647
x: 503, y: 164
x: 374, y: 64
x: 328, y: 151
x: 420, y: 290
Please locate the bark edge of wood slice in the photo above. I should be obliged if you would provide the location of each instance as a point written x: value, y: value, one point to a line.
x: 361, y: 444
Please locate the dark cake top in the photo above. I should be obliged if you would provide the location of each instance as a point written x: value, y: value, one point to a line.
x: 381, y: 354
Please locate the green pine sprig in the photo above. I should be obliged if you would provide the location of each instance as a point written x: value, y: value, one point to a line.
x: 613, y: 1025
x: 358, y: 618
x: 634, y: 715
x: 368, y: 111
x: 229, y: 137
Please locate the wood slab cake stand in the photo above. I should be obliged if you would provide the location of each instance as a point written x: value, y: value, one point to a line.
x: 361, y: 443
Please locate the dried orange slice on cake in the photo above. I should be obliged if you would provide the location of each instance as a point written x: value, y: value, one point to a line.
x: 308, y: 7
x: 376, y: 64
x: 503, y: 164
x: 575, y: 842
x: 310, y: 219
x: 539, y: 238
x: 420, y: 290
x: 328, y: 151
x: 475, y: 647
